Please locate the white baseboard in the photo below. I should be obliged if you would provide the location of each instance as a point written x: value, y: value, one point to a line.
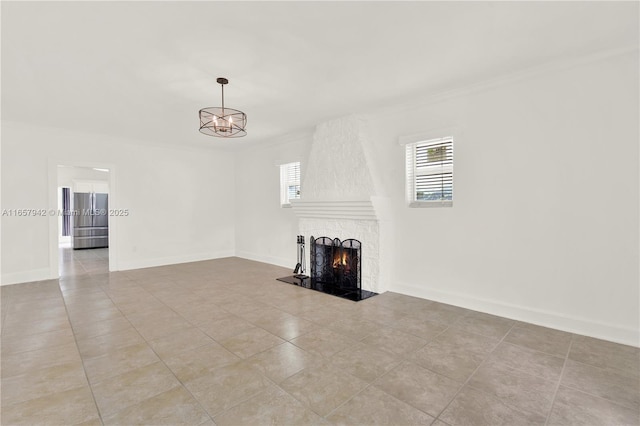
x: 599, y: 330
x: 27, y: 276
x: 124, y: 265
x: 273, y: 260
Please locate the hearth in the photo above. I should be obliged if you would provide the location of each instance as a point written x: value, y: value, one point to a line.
x: 336, y: 268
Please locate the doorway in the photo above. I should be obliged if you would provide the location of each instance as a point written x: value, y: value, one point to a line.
x: 82, y: 233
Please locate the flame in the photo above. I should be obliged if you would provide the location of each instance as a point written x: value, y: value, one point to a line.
x: 340, y: 260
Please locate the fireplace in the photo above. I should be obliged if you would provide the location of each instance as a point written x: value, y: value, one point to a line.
x: 340, y: 153
x: 336, y: 263
x: 335, y: 268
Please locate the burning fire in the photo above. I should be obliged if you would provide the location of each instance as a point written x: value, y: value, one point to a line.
x: 340, y: 260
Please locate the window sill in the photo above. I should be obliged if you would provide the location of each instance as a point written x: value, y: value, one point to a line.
x: 429, y: 204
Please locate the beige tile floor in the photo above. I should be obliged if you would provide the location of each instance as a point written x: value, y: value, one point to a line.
x: 222, y: 343
x: 81, y: 262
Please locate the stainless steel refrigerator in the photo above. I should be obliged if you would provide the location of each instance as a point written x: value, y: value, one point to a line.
x: 90, y: 220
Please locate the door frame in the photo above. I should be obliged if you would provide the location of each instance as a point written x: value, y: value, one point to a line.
x: 54, y: 272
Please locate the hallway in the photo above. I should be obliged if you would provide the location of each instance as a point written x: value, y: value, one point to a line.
x: 82, y: 262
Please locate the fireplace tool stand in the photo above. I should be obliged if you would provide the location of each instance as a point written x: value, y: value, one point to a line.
x: 298, y: 272
x: 298, y: 278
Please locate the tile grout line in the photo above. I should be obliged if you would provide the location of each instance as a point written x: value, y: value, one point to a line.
x: 133, y: 281
x: 474, y: 372
x: 29, y: 350
x: 402, y: 360
x: 535, y: 375
x: 243, y: 400
x: 216, y: 341
x: 154, y: 352
x: 75, y: 340
x: 555, y: 393
x: 340, y: 405
x: 272, y: 382
x: 485, y: 361
x: 538, y: 350
x: 348, y: 400
x: 321, y: 326
x: 618, y: 403
x: 602, y: 398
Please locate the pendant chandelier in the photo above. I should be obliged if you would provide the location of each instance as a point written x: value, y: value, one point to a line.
x: 223, y: 122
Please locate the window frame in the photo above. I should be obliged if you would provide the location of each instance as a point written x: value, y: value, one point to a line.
x: 285, y: 182
x: 412, y: 172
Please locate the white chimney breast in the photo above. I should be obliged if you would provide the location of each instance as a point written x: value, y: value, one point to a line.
x: 338, y: 195
x: 337, y: 167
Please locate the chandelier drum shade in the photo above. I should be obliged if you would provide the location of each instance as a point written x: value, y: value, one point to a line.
x: 221, y: 121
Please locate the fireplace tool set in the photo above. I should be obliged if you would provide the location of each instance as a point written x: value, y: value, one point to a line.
x: 299, y: 270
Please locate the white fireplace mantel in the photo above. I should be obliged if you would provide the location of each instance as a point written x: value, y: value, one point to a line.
x: 354, y: 210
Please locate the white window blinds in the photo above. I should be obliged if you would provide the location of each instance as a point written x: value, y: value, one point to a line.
x: 289, y: 182
x: 430, y: 172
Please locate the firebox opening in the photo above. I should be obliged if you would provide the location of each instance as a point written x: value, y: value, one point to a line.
x: 335, y: 268
x: 340, y: 260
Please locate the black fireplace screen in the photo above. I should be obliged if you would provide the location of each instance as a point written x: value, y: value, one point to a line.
x: 336, y: 263
x: 335, y: 267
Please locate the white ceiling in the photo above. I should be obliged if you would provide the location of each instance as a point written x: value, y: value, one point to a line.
x: 143, y: 69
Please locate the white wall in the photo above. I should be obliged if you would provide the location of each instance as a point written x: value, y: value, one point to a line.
x: 66, y: 175
x: 265, y: 231
x: 544, y: 226
x: 179, y: 199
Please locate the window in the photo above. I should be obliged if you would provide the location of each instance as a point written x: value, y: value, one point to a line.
x: 430, y: 173
x: 289, y: 183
